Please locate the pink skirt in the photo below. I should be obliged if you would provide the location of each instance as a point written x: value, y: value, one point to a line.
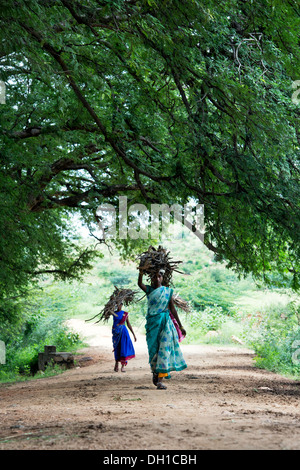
x: 180, y: 335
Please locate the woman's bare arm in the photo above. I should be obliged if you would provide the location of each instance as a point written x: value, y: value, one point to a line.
x: 140, y: 281
x: 130, y: 328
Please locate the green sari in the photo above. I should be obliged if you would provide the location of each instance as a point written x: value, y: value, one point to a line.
x: 162, y: 338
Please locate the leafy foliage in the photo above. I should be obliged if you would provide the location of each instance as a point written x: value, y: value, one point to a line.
x: 158, y: 101
x: 276, y: 338
x: 29, y: 337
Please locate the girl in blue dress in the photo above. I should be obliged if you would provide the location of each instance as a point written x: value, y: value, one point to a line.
x: 123, y: 347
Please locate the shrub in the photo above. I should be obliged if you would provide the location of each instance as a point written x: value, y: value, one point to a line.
x: 275, y: 339
x: 29, y: 338
x: 209, y: 319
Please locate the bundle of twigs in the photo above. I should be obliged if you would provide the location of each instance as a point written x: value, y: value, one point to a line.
x: 119, y: 296
x: 152, y: 261
x: 181, y: 303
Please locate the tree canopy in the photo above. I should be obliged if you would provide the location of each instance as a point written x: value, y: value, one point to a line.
x: 161, y: 102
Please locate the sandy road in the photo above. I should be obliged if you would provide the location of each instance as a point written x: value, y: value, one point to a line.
x: 219, y: 402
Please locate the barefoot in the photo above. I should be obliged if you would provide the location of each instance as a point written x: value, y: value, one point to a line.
x: 161, y: 386
x: 155, y: 378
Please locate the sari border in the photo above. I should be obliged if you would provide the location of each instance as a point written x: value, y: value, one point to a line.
x: 127, y: 358
x: 167, y: 371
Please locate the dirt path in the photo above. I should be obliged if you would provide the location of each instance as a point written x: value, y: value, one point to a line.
x: 219, y: 402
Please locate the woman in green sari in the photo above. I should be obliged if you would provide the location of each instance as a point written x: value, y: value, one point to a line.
x: 162, y: 338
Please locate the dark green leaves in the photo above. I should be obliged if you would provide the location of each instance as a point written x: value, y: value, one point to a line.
x: 159, y: 101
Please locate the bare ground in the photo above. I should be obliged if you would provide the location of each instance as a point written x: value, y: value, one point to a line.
x: 219, y: 402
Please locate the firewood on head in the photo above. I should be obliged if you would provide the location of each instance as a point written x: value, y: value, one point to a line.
x: 154, y: 260
x: 157, y: 260
x: 118, y: 297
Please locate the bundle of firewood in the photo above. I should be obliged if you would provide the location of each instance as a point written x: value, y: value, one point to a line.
x: 119, y: 296
x: 152, y: 261
x: 181, y: 303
